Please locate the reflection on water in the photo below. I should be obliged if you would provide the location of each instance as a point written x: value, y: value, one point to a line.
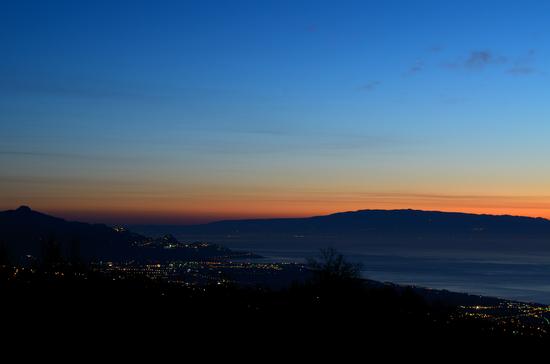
x: 517, y: 277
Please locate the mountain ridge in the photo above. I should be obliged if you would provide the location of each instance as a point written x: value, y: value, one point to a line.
x: 395, y: 214
x: 347, y: 213
x: 402, y: 227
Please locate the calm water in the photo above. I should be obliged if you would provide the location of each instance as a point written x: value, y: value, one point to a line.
x: 523, y: 278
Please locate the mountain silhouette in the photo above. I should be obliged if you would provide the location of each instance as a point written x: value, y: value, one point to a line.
x: 386, y: 220
x: 384, y: 228
x: 24, y: 231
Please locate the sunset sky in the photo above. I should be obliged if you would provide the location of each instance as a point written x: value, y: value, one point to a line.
x: 192, y: 111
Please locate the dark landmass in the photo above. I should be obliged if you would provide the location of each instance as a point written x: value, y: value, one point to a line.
x: 374, y: 228
x: 75, y: 298
x: 24, y: 232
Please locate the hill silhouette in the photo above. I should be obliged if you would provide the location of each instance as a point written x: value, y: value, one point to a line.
x: 24, y: 231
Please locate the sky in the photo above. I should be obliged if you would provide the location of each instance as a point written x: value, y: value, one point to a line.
x: 193, y: 111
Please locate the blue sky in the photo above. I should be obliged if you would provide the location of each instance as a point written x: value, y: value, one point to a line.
x: 214, y: 109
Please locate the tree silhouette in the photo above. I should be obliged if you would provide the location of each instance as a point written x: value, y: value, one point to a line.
x: 332, y: 268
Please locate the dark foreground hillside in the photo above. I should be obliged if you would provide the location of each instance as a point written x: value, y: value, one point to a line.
x: 328, y: 307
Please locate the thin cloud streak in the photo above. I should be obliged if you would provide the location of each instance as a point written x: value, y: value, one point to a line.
x: 478, y: 60
x: 370, y: 86
x: 40, y: 154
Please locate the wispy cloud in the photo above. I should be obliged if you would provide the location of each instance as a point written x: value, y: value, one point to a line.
x: 436, y: 49
x: 524, y: 70
x: 320, y: 143
x: 44, y: 154
x: 477, y: 60
x: 481, y: 59
x: 370, y: 86
x: 417, y: 67
x: 524, y: 65
x: 71, y: 87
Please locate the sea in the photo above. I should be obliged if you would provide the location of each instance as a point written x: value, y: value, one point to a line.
x: 520, y: 277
